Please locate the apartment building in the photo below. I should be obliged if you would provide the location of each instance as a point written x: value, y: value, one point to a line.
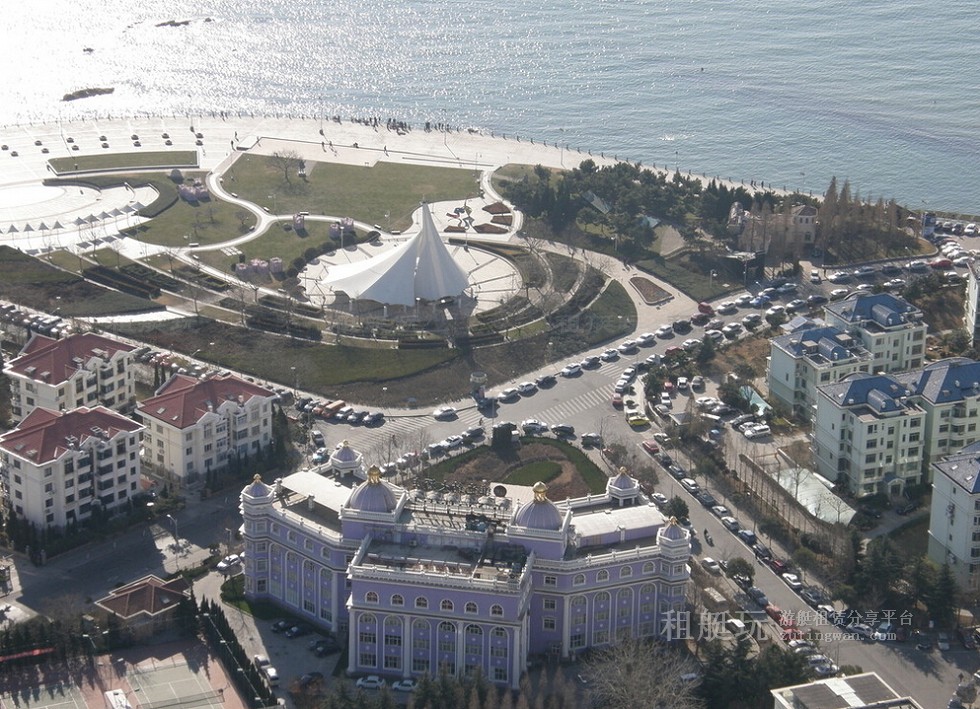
x: 869, y: 434
x: 84, y: 369
x: 420, y: 581
x: 923, y: 415
x: 59, y: 466
x: 802, y: 360
x: 195, y: 426
x: 972, y: 318
x: 890, y: 328
x: 954, y: 517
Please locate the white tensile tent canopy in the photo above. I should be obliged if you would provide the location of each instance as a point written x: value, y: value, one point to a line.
x: 422, y: 267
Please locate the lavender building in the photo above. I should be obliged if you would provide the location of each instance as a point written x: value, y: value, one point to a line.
x: 419, y: 581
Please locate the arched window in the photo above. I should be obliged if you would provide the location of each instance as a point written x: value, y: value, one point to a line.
x: 471, y: 607
x: 496, y: 610
x: 421, y: 602
x: 649, y: 567
x: 371, y: 597
x: 446, y: 605
x: 625, y: 572
x: 397, y: 600
x: 602, y: 576
x: 579, y: 580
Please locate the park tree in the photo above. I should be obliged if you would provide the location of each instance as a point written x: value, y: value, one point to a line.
x: 943, y: 597
x: 740, y: 566
x: 631, y: 669
x: 286, y: 161
x: 676, y: 507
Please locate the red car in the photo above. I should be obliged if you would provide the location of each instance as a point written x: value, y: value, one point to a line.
x: 778, y: 566
x: 651, y: 446
x: 617, y: 401
x: 706, y: 309
x: 941, y: 263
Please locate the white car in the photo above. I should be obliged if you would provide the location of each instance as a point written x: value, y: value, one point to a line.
x: 691, y: 344
x: 776, y: 310
x: 443, y: 413
x: 226, y: 564
x: 720, y: 511
x: 711, y: 566
x: 730, y: 523
x: 665, y: 331
x: 726, y: 307
x: 453, y: 442
x: 646, y: 339
x: 370, y: 682
x: 533, y: 426
x: 627, y: 346
x: 409, y: 684
x: 570, y: 370
x: 715, y: 335
x: 759, y: 430
x: 839, y: 293
x: 526, y: 388
x: 706, y: 402
x: 815, y: 276
x: 609, y: 355
x: 666, y: 400
x: 793, y: 581
x: 682, y: 383
x: 731, y: 329
x: 752, y: 319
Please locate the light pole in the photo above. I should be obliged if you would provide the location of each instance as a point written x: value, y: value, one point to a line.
x: 174, y: 522
x: 295, y: 382
x: 711, y: 283
x: 275, y: 207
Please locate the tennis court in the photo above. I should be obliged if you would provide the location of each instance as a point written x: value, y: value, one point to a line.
x: 58, y: 695
x: 171, y: 686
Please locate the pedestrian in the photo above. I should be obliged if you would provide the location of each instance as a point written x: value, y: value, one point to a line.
x: 386, y: 150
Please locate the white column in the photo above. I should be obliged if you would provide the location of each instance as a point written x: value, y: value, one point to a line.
x: 406, y: 646
x: 566, y: 630
x: 518, y: 655
x: 352, y: 641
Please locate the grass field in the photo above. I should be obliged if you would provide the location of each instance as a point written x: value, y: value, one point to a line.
x: 125, y: 161
x: 364, y: 193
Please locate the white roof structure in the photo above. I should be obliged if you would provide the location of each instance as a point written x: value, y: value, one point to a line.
x: 422, y: 267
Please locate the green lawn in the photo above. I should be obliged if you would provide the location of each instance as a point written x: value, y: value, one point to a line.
x: 125, y: 161
x: 363, y: 193
x: 543, y: 470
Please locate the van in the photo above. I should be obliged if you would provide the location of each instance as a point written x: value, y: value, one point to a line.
x: 735, y: 627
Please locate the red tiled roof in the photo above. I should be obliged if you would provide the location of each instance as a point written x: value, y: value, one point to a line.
x: 57, y: 357
x: 43, y: 435
x: 149, y: 596
x: 183, y: 400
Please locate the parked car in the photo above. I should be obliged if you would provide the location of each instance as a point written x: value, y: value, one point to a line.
x: 758, y: 595
x: 563, y: 430
x: 730, y: 523
x: 229, y: 562
x: 409, y: 684
x: 591, y: 439
x: 546, y: 380
x: 444, y: 413
x: 526, y: 388
x: 370, y: 682
x: 570, y: 370
x: 711, y: 566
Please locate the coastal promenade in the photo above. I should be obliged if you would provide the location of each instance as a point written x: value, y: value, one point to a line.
x: 25, y: 202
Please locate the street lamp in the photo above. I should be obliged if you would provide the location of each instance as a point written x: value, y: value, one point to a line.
x: 711, y: 282
x: 174, y: 522
x: 295, y: 381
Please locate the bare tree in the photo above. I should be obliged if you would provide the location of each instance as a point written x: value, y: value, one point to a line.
x: 286, y: 160
x: 633, y: 673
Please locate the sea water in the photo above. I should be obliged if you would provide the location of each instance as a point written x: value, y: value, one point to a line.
x: 884, y: 94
